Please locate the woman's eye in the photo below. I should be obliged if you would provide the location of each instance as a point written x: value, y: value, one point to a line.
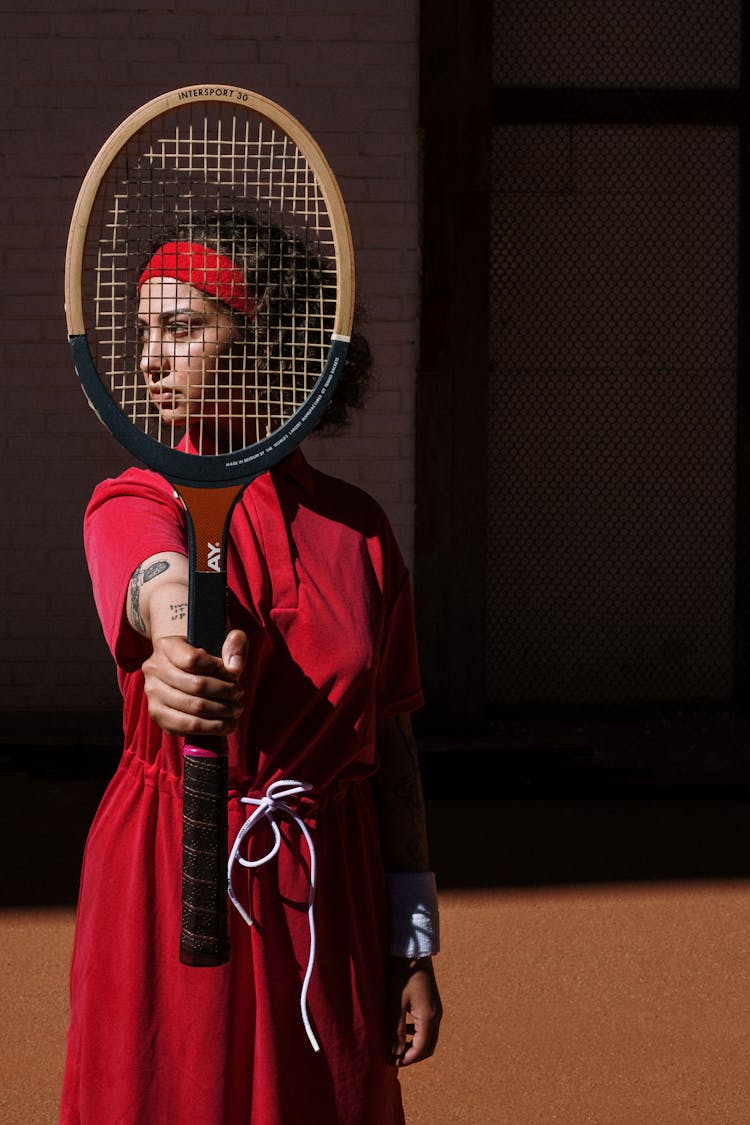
x: 181, y: 329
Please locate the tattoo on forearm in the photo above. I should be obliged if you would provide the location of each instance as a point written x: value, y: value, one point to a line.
x: 141, y: 575
x: 408, y: 787
x: 407, y: 790
x: 417, y: 850
x: 155, y: 568
x: 135, y: 601
x: 400, y: 789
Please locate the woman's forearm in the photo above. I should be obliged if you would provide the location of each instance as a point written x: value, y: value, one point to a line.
x: 397, y: 787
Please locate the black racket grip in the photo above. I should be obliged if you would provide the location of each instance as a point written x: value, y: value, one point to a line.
x: 204, y: 932
x: 204, y: 935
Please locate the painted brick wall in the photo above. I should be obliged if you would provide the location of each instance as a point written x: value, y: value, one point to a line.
x: 71, y: 72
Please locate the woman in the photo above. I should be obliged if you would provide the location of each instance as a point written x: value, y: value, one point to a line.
x: 316, y: 1010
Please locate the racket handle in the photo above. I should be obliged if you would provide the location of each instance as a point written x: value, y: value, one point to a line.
x: 204, y: 935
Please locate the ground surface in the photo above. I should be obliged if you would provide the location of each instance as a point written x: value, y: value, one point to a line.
x: 596, y: 964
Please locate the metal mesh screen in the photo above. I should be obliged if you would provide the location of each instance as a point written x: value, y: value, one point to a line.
x: 617, y: 43
x: 612, y: 413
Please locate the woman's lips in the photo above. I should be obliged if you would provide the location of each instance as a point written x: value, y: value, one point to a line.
x: 165, y: 400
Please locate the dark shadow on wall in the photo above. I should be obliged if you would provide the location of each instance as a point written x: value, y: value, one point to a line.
x: 538, y: 804
x: 616, y: 798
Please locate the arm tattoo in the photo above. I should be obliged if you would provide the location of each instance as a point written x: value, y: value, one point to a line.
x: 409, y: 789
x: 399, y: 787
x: 141, y: 575
x: 156, y: 568
x: 178, y: 611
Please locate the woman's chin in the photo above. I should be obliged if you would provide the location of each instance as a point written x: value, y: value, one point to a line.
x: 176, y: 419
x: 212, y: 433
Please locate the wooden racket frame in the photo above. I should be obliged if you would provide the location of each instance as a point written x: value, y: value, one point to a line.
x: 209, y: 487
x: 212, y: 469
x: 158, y: 107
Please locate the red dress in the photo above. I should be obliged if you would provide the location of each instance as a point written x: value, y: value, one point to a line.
x: 317, y: 581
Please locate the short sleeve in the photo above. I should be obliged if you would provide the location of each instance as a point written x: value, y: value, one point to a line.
x: 127, y: 520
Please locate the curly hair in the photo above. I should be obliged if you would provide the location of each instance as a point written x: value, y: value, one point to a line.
x: 289, y: 281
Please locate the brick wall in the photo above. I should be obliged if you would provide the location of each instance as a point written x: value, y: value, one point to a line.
x: 72, y: 72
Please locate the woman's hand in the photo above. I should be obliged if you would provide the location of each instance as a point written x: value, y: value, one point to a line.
x: 414, y: 1009
x: 189, y: 691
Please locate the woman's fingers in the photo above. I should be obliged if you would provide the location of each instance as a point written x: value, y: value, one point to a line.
x: 190, y: 691
x: 416, y: 1010
x: 234, y: 652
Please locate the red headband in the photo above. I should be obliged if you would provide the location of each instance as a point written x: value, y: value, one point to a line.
x: 205, y: 269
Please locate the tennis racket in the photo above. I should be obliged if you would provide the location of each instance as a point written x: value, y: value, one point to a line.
x: 221, y: 190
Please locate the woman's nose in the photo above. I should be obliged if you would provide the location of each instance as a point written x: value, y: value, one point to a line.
x: 154, y: 363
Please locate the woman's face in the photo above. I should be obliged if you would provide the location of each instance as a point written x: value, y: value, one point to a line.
x: 186, y: 338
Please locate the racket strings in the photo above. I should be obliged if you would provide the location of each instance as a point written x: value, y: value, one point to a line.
x: 240, y: 179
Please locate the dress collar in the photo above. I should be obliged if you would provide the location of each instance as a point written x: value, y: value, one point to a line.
x: 297, y: 468
x: 294, y: 466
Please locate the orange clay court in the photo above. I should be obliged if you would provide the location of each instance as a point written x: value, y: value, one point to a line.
x: 596, y: 963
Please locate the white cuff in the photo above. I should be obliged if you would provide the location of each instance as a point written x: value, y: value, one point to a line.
x: 414, y: 920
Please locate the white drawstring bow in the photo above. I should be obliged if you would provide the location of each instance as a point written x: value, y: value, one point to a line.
x: 269, y: 807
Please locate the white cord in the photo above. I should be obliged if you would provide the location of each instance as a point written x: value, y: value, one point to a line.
x: 268, y: 807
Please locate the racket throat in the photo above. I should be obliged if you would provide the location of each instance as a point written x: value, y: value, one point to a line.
x: 208, y: 513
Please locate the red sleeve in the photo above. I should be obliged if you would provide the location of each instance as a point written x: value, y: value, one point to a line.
x: 399, y: 687
x: 127, y: 520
